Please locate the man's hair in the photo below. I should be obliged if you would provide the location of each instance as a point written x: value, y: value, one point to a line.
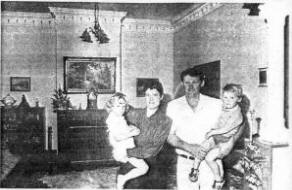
x: 193, y: 73
x: 110, y: 103
x: 235, y: 88
x: 154, y: 84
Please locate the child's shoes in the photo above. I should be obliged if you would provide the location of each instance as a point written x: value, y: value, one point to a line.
x: 217, y: 185
x: 193, y: 176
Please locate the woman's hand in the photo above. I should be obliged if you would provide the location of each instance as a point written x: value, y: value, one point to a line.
x: 134, y: 131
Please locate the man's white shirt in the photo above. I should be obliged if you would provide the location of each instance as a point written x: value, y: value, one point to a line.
x: 192, y: 126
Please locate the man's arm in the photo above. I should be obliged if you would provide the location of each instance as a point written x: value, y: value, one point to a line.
x: 238, y: 134
x: 234, y: 122
x: 193, y: 149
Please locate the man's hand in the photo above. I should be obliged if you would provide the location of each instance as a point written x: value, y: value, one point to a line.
x: 198, y: 151
x: 210, y: 133
x: 194, y: 149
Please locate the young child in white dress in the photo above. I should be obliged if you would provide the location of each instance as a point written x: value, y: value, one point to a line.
x: 217, y: 143
x: 121, y: 138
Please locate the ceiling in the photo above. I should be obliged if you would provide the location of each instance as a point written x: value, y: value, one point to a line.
x: 164, y: 11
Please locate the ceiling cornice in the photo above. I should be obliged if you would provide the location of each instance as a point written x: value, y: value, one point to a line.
x: 130, y: 24
x: 18, y: 14
x: 194, y: 13
x: 86, y: 12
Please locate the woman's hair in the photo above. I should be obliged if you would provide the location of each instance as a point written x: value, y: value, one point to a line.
x: 154, y: 84
x: 235, y: 88
x: 111, y: 102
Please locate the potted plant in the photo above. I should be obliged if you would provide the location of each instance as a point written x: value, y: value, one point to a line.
x: 60, y: 100
x: 250, y: 166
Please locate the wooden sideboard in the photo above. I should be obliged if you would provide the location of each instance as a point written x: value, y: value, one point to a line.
x: 82, y: 135
x: 23, y: 129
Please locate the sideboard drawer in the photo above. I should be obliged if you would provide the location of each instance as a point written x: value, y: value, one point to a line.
x: 88, y: 142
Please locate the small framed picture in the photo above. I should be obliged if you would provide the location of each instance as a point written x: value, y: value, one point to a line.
x: 141, y: 84
x: 263, y: 77
x: 20, y: 84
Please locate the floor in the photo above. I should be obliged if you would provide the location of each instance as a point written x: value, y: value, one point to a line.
x: 35, y: 171
x: 24, y: 174
x: 48, y: 170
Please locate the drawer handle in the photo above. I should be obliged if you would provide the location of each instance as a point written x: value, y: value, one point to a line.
x: 82, y: 127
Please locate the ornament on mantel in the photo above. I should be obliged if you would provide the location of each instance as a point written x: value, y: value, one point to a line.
x: 23, y: 104
x: 60, y: 100
x: 92, y: 99
x: 37, y: 102
x: 8, y: 101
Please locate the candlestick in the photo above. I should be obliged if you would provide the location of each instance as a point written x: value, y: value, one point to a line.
x: 251, y: 118
x: 60, y: 86
x: 37, y: 102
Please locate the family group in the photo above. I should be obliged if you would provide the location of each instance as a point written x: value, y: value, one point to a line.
x: 202, y: 129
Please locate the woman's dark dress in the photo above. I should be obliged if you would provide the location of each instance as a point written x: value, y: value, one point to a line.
x: 151, y: 146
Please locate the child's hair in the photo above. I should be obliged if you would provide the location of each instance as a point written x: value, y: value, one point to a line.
x: 110, y: 103
x: 235, y: 88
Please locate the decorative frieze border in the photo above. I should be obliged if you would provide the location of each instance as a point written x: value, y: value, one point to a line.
x: 146, y: 25
x: 68, y: 15
x: 44, y: 20
x: 65, y: 16
x: 193, y: 14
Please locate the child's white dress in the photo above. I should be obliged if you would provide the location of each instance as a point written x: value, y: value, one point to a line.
x: 117, y: 128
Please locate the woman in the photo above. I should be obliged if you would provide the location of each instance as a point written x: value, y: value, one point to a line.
x: 154, y: 128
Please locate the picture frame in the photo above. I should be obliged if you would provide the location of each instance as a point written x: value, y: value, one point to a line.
x: 286, y: 72
x: 84, y: 73
x: 20, y: 84
x: 263, y: 77
x: 141, y: 85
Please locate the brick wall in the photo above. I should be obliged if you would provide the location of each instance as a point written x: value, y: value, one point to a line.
x: 147, y: 52
x: 239, y: 41
x: 28, y: 50
x: 34, y: 44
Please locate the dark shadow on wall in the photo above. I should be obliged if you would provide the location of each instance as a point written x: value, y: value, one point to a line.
x: 244, y: 105
x: 212, y: 74
x: 179, y: 91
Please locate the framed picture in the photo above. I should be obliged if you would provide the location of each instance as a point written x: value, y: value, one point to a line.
x: 286, y: 72
x: 141, y: 85
x: 262, y: 77
x: 82, y: 74
x: 20, y: 84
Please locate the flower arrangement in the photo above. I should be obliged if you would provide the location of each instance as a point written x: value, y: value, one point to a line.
x: 60, y: 100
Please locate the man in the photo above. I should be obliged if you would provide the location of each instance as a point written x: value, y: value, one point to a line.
x: 154, y: 128
x: 193, y: 115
